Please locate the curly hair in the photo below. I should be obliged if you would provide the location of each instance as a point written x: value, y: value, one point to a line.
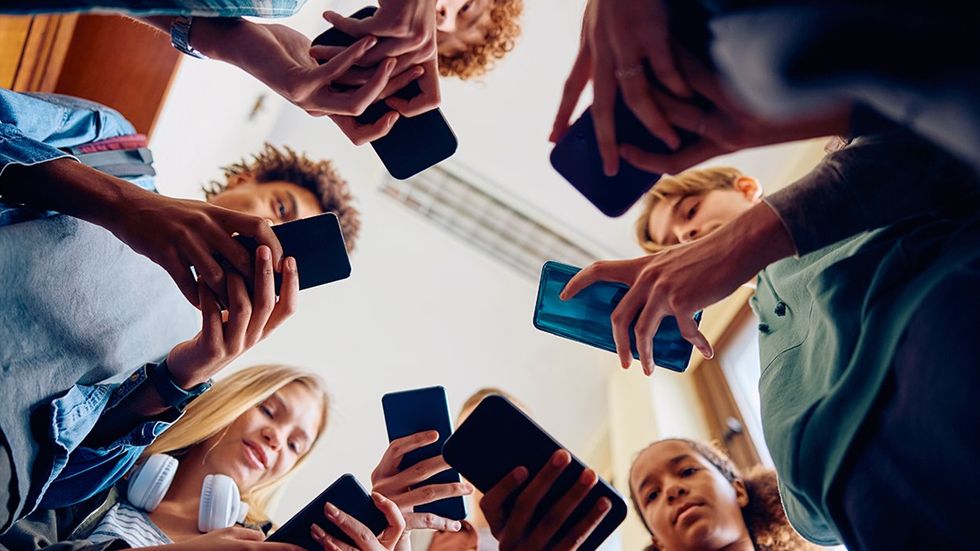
x: 320, y: 177
x: 764, y: 516
x: 501, y: 36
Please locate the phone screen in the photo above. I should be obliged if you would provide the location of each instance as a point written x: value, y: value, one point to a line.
x: 348, y: 496
x: 585, y: 317
x: 420, y: 410
x: 497, y: 438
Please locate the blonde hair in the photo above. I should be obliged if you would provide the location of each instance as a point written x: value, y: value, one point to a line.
x: 500, y: 38
x: 764, y: 516
x: 689, y: 182
x: 478, y: 396
x: 213, y: 412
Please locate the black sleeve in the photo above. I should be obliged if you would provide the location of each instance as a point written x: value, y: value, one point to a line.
x: 875, y: 181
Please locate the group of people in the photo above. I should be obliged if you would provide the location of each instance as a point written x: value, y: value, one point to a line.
x: 119, y: 304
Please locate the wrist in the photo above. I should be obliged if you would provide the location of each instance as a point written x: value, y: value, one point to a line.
x: 212, y: 36
x: 763, y: 237
x: 174, y: 391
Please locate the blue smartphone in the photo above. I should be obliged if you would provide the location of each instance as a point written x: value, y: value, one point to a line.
x: 423, y: 409
x: 497, y: 438
x: 585, y: 317
x: 414, y: 143
x: 318, y: 246
x: 348, y: 496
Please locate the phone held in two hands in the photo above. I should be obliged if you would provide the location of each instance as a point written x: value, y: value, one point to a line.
x: 414, y: 143
x: 586, y: 317
x: 347, y: 495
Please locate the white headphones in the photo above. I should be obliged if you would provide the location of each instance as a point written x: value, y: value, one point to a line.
x: 221, y: 502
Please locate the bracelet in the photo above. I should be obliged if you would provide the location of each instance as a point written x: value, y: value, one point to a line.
x: 172, y: 394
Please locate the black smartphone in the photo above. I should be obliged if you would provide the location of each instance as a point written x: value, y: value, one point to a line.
x: 419, y: 410
x: 585, y: 317
x: 316, y: 243
x: 497, y: 438
x: 576, y: 158
x: 348, y: 496
x: 414, y: 143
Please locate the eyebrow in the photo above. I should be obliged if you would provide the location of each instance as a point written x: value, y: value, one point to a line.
x: 672, y: 463
x: 285, y: 406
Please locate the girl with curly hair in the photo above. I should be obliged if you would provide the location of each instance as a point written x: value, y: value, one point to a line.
x: 473, y: 34
x: 691, y: 497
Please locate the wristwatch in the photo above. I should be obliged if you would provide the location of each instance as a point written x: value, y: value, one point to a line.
x: 180, y: 36
x: 172, y: 394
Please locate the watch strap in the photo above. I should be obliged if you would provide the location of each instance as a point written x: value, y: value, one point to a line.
x: 172, y: 394
x: 180, y: 36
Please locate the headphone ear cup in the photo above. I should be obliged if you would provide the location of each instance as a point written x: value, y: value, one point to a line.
x: 220, y: 503
x: 150, y: 482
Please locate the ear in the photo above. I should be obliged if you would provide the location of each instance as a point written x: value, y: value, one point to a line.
x: 741, y: 492
x: 749, y: 188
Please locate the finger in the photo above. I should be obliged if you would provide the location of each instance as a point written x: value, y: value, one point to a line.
x: 352, y: 26
x: 263, y: 296
x: 241, y: 533
x: 559, y: 513
x: 493, y: 500
x: 398, y: 447
x: 429, y: 521
x: 181, y: 274
x: 360, y: 134
x: 257, y: 228
x: 434, y: 492
x: 584, y: 528
x: 603, y: 106
x: 239, y: 312
x: 396, y: 522
x: 646, y: 327
x: 401, y: 80
x: 355, y: 102
x: 529, y: 500
x: 427, y: 100
x: 603, y: 270
x: 692, y: 334
x: 415, y: 474
x: 212, y: 328
x: 578, y: 77
x: 622, y: 321
x: 660, y: 55
x: 672, y: 163
x: 206, y: 267
x: 326, y: 541
x: 288, y: 292
x: 221, y: 241
x: 638, y: 95
x: 341, y: 62
x: 355, y: 530
x: 323, y: 53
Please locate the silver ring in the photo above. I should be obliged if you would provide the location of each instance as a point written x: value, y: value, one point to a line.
x: 629, y: 72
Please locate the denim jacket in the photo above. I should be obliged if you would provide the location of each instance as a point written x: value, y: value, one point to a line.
x: 74, y: 328
x: 203, y: 8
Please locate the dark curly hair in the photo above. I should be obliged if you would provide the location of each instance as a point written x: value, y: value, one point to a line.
x: 501, y: 36
x: 764, y: 516
x: 320, y: 177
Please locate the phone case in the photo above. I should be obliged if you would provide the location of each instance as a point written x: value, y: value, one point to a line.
x: 585, y: 317
x: 348, y: 496
x: 497, y: 438
x: 414, y: 143
x: 317, y: 244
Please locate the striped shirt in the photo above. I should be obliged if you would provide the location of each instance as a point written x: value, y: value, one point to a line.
x: 131, y: 525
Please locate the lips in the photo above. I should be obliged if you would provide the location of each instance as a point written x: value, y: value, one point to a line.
x: 683, y: 509
x: 256, y: 454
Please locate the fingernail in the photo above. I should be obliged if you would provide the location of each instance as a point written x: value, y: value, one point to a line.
x: 332, y: 511
x: 563, y: 295
x: 390, y: 64
x: 265, y: 253
x: 520, y: 474
x: 371, y: 41
x: 318, y: 532
x: 291, y: 264
x: 376, y: 496
x: 560, y: 459
x: 455, y: 527
x: 587, y: 478
x: 604, y: 504
x: 418, y: 71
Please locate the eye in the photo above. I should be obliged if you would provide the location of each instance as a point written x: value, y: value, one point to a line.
x: 652, y: 495
x: 266, y: 410
x: 688, y: 472
x: 693, y: 210
x: 281, y: 208
x: 465, y: 7
x: 293, y: 447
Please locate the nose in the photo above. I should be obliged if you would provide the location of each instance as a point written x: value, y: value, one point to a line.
x: 686, y: 234
x: 445, y: 18
x: 675, y: 492
x: 272, y: 439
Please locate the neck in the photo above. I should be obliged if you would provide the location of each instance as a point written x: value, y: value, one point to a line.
x: 184, y: 495
x: 742, y: 544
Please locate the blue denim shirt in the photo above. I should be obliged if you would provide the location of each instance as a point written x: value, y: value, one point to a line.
x: 204, y: 8
x: 68, y: 371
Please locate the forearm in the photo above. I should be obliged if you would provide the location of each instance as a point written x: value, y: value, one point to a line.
x: 69, y: 187
x: 758, y: 237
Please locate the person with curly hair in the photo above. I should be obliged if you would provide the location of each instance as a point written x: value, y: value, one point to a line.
x: 691, y: 497
x: 473, y: 34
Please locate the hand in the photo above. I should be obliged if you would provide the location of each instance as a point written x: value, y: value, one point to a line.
x: 397, y: 485
x: 235, y: 538
x: 686, y: 278
x: 179, y: 233
x: 513, y: 528
x: 407, y: 31
x: 363, y: 538
x: 623, y: 37
x: 248, y: 321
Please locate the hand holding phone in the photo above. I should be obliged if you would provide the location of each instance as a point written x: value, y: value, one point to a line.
x: 418, y: 424
x: 560, y: 498
x: 585, y: 318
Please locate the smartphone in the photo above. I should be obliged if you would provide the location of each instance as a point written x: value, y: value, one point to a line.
x: 497, y: 438
x: 576, y: 157
x: 316, y: 243
x: 348, y: 496
x: 423, y: 409
x: 585, y: 317
x: 414, y: 143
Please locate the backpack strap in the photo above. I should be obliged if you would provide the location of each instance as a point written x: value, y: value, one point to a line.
x: 122, y: 156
